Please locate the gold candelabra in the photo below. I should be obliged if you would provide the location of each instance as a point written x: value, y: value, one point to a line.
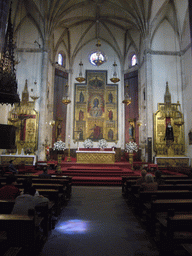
x: 69, y: 154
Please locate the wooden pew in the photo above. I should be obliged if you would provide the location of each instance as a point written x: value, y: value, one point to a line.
x: 43, y: 210
x: 174, y: 230
x: 162, y: 206
x: 148, y: 196
x: 6, y: 206
x: 134, y: 189
x: 124, y: 183
x: 175, y: 177
x: 178, y: 181
x: 65, y: 181
x: 22, y: 231
x: 54, y: 196
x: 129, y: 182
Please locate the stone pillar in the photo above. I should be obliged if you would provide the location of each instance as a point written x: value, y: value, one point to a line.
x: 43, y: 106
x: 4, y: 8
x: 148, y: 92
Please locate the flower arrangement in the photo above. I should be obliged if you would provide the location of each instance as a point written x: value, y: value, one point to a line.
x: 59, y: 145
x: 102, y: 143
x: 131, y: 147
x: 88, y: 143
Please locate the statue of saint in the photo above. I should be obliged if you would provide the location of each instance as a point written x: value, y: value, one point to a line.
x: 81, y: 97
x: 81, y: 115
x: 110, y: 97
x: 169, y: 132
x: 110, y: 115
x: 110, y: 134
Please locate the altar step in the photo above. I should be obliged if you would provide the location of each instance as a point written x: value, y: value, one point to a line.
x: 96, y: 181
x: 96, y: 175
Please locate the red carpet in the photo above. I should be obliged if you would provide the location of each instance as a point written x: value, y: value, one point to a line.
x: 94, y: 174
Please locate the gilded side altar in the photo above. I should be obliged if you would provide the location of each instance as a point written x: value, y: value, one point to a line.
x: 169, y: 142
x: 95, y: 157
x: 25, y: 118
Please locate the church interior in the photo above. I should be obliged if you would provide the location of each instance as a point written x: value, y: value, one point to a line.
x: 95, y: 91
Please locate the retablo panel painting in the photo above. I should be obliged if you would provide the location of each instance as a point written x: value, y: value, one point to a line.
x: 96, y: 108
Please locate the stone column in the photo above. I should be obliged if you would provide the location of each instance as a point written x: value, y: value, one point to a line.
x: 4, y: 8
x: 149, y: 90
x: 43, y: 106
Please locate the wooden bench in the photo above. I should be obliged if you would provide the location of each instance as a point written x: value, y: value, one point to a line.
x: 21, y: 230
x: 65, y: 180
x: 162, y: 206
x: 43, y: 210
x: 6, y: 206
x: 178, y: 181
x: 128, y: 182
x: 148, y: 196
x: 54, y: 196
x: 174, y: 230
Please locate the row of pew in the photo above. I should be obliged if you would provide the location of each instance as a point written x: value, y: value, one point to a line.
x: 167, y: 212
x: 27, y: 233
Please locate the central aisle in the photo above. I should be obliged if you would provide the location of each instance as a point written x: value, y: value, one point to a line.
x: 98, y: 221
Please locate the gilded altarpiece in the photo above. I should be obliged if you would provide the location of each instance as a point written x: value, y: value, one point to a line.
x: 96, y: 108
x: 25, y: 118
x: 169, y: 152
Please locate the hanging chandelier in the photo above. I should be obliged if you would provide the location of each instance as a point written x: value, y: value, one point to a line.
x: 66, y: 99
x: 8, y: 83
x: 80, y: 78
x: 127, y: 99
x: 114, y: 79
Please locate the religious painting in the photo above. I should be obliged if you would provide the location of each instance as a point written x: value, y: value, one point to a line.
x: 131, y: 129
x: 96, y: 108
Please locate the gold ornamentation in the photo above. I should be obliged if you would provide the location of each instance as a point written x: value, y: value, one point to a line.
x: 173, y: 162
x: 25, y: 118
x: 66, y: 101
x: 95, y: 158
x: 168, y: 113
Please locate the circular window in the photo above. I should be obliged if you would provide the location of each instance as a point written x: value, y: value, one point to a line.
x: 97, y: 57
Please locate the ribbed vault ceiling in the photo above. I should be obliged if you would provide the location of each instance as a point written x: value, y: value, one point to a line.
x: 97, y: 18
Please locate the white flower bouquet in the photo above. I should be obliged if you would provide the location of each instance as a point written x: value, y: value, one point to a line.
x: 88, y: 143
x: 131, y: 147
x: 102, y: 143
x: 59, y: 145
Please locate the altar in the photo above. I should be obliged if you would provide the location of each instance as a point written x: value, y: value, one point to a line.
x: 18, y: 159
x: 181, y: 161
x: 95, y: 156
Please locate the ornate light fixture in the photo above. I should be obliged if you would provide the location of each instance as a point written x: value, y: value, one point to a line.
x: 80, y: 78
x: 139, y: 122
x: 114, y: 79
x: 127, y: 99
x: 52, y: 123
x: 97, y: 57
x: 66, y: 99
x: 8, y: 83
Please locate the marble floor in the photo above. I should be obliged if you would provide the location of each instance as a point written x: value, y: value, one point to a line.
x: 98, y: 221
